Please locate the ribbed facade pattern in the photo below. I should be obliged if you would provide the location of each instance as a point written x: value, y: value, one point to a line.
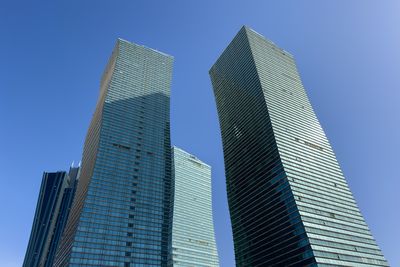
x: 289, y: 201
x: 193, y: 241
x: 64, y: 210
x: 121, y: 212
x: 43, y: 238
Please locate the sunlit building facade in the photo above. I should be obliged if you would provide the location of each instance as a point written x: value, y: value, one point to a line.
x: 121, y: 215
x: 193, y: 240
x: 289, y: 202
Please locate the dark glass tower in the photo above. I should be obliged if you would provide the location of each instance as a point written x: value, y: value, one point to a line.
x: 121, y: 212
x: 65, y: 207
x: 52, y: 209
x: 289, y: 202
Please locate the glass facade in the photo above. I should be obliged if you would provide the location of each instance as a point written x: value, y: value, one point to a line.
x: 52, y: 209
x: 65, y: 207
x: 121, y: 212
x: 289, y: 202
x: 193, y: 241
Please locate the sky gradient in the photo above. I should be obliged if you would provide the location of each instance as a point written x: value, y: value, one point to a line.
x: 53, y: 54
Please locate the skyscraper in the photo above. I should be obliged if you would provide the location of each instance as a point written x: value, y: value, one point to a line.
x: 52, y: 209
x: 193, y: 241
x: 65, y: 208
x: 121, y: 212
x: 289, y: 202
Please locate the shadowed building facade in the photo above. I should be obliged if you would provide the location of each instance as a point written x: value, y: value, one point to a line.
x: 55, y: 197
x: 121, y: 215
x: 193, y: 240
x: 289, y: 202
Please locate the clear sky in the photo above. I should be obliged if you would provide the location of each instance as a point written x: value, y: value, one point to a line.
x: 52, y: 54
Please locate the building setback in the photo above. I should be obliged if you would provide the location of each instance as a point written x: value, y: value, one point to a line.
x: 52, y: 209
x: 289, y: 202
x: 193, y: 241
x: 121, y: 213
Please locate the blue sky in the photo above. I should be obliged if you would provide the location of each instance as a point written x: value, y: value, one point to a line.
x: 53, y: 54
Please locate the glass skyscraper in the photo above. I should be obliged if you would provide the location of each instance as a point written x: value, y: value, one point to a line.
x: 193, y: 241
x: 52, y: 209
x: 121, y: 215
x: 289, y: 202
